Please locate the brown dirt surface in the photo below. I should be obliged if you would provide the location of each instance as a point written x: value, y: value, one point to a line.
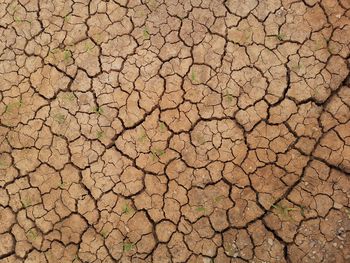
x: 200, y: 131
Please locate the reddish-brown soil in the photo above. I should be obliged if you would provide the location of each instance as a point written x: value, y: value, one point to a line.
x: 175, y: 131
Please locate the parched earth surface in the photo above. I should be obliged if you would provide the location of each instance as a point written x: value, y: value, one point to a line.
x: 175, y: 131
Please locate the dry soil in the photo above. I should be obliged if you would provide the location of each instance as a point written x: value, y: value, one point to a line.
x: 174, y: 131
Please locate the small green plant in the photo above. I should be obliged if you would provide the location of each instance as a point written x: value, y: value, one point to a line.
x: 284, y: 211
x: 162, y: 127
x: 126, y: 209
x: 17, y: 19
x: 63, y: 185
x: 67, y: 17
x: 145, y: 33
x: 59, y: 117
x: 32, y: 234
x: 159, y: 152
x: 143, y: 137
x: 26, y: 203
x: 98, y: 38
x: 99, y: 134
x: 321, y: 43
x: 200, y: 209
x: 104, y: 234
x: 228, y: 98
x: 156, y: 153
x: 69, y: 96
x: 128, y: 247
x: 218, y: 198
x: 331, y: 49
x: 88, y: 46
x: 193, y: 76
x: 98, y: 110
x: 296, y: 67
x: 67, y: 55
x: 13, y: 105
x: 281, y: 37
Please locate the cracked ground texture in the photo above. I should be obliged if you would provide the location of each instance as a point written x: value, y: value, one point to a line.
x: 174, y: 131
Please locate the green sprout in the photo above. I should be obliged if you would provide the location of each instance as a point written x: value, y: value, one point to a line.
x: 88, y: 46
x: 17, y: 19
x: 63, y: 185
x: 99, y: 134
x: 145, y: 33
x: 143, y: 137
x: 14, y: 105
x: 69, y: 96
x: 200, y: 209
x: 128, y: 247
x: 67, y: 54
x: 59, y: 117
x: 126, y: 209
x: 98, y: 110
x: 281, y: 37
x: 26, y: 203
x: 296, y: 68
x: 321, y: 43
x: 162, y: 127
x: 218, y: 198
x: 284, y: 211
x: 66, y: 18
x: 228, y: 98
x: 193, y: 76
x: 156, y: 153
x: 32, y: 234
x: 98, y: 38
x: 104, y: 234
x: 331, y: 49
x: 159, y: 152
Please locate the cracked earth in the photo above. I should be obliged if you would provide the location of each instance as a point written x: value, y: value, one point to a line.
x: 175, y: 131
